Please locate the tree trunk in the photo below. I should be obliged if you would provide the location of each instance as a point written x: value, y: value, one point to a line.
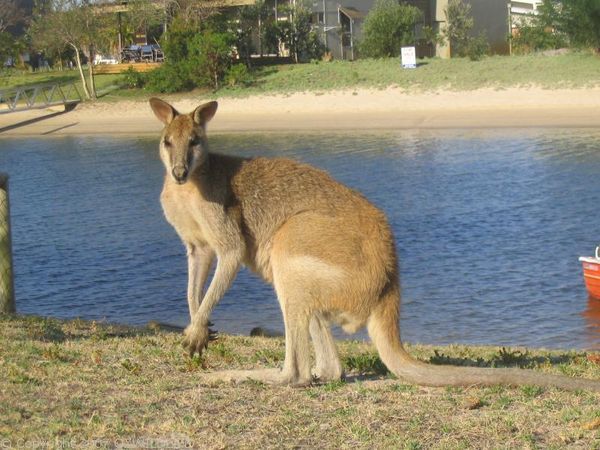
x: 83, y: 80
x: 91, y: 72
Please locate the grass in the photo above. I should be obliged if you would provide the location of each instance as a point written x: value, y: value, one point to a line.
x: 75, y: 382
x: 571, y: 70
x: 576, y: 70
x: 10, y: 79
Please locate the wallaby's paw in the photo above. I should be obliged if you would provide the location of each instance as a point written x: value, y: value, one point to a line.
x: 196, y: 338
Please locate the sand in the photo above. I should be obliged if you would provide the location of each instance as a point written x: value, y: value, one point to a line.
x: 360, y: 109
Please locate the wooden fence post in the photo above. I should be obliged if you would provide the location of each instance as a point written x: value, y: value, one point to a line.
x: 7, y: 289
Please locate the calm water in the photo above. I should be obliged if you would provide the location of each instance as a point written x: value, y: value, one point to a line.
x: 489, y: 226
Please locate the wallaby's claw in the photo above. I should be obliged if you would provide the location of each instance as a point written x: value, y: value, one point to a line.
x: 197, y: 338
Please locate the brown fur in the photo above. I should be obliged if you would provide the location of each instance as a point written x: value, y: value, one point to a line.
x: 328, y: 252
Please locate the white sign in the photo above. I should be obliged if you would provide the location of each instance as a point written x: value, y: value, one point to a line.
x: 409, y: 58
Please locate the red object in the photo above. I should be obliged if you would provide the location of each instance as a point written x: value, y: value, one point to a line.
x: 591, y: 274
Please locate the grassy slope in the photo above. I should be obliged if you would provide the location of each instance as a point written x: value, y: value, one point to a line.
x: 572, y: 70
x: 577, y: 70
x: 74, y: 381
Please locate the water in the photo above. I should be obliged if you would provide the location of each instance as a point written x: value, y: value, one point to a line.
x: 489, y: 226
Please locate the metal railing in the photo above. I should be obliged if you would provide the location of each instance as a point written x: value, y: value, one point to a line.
x: 7, y: 290
x: 38, y: 96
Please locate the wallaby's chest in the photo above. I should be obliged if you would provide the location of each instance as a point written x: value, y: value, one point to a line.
x: 183, y: 210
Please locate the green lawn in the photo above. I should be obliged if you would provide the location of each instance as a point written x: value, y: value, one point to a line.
x: 76, y: 382
x: 574, y: 70
x: 15, y: 78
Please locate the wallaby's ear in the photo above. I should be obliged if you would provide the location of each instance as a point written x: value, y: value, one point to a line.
x: 165, y: 112
x: 203, y: 113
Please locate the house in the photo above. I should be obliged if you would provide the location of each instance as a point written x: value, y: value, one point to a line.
x: 340, y: 24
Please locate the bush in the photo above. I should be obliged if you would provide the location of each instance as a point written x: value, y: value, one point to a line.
x: 238, y: 74
x: 459, y: 24
x: 387, y: 28
x: 578, y: 19
x: 169, y: 78
x: 297, y: 33
x: 192, y: 58
x: 477, y: 47
x: 133, y: 79
x: 533, y: 38
x: 211, y: 56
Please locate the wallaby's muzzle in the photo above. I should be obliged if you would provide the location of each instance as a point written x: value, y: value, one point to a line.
x: 180, y: 174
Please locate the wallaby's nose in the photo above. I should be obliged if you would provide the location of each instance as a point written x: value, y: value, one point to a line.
x: 180, y: 173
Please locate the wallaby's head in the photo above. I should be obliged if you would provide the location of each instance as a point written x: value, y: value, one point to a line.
x: 183, y: 144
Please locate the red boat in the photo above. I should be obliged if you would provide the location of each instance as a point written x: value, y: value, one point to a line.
x: 591, y: 273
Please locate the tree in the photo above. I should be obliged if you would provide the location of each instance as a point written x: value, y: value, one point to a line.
x: 578, y: 19
x: 297, y: 33
x: 249, y: 21
x: 459, y: 24
x: 72, y: 23
x: 559, y: 23
x: 211, y: 57
x: 388, y: 27
x: 11, y: 14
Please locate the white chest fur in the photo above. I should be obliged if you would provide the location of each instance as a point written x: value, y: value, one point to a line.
x: 183, y: 210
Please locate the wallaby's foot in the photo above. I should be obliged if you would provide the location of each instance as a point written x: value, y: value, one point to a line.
x: 325, y: 375
x: 197, y: 338
x: 268, y: 376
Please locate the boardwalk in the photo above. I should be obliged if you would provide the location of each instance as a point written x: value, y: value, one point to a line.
x: 38, y: 96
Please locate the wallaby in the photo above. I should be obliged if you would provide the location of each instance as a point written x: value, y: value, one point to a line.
x: 328, y: 252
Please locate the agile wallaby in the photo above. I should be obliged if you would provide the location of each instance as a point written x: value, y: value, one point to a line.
x: 328, y: 252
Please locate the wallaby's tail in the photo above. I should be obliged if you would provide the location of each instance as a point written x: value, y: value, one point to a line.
x: 385, y: 334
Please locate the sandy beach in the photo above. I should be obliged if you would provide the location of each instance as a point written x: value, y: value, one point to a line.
x: 339, y: 110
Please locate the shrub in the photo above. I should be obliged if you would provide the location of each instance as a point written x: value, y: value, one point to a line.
x: 193, y: 58
x: 387, y: 28
x: 211, y: 56
x: 477, y: 48
x: 133, y: 79
x: 169, y: 78
x: 297, y: 33
x: 459, y: 24
x: 238, y: 74
x: 578, y: 19
x: 532, y: 38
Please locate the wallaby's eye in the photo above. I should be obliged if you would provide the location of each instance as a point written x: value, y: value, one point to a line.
x: 167, y: 142
x: 194, y: 141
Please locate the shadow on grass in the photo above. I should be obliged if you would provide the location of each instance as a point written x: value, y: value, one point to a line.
x: 47, y: 329
x: 47, y: 80
x: 503, y: 358
x: 368, y: 366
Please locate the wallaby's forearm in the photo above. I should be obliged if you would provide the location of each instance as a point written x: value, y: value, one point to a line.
x: 227, y: 266
x: 200, y: 259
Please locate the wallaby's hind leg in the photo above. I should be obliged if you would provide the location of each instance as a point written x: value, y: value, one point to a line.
x: 296, y: 367
x: 327, y: 366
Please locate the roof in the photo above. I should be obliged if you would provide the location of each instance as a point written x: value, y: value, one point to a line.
x: 352, y: 13
x: 123, y: 5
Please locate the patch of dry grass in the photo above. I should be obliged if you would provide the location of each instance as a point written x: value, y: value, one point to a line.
x: 76, y: 383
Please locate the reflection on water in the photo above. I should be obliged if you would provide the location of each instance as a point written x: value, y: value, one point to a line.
x: 592, y: 319
x: 489, y: 226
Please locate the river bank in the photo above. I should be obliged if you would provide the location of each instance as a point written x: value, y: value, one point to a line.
x: 79, y: 384
x: 356, y: 109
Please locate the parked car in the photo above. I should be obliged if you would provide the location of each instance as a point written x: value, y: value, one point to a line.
x: 138, y: 53
x: 131, y: 53
x: 101, y: 59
